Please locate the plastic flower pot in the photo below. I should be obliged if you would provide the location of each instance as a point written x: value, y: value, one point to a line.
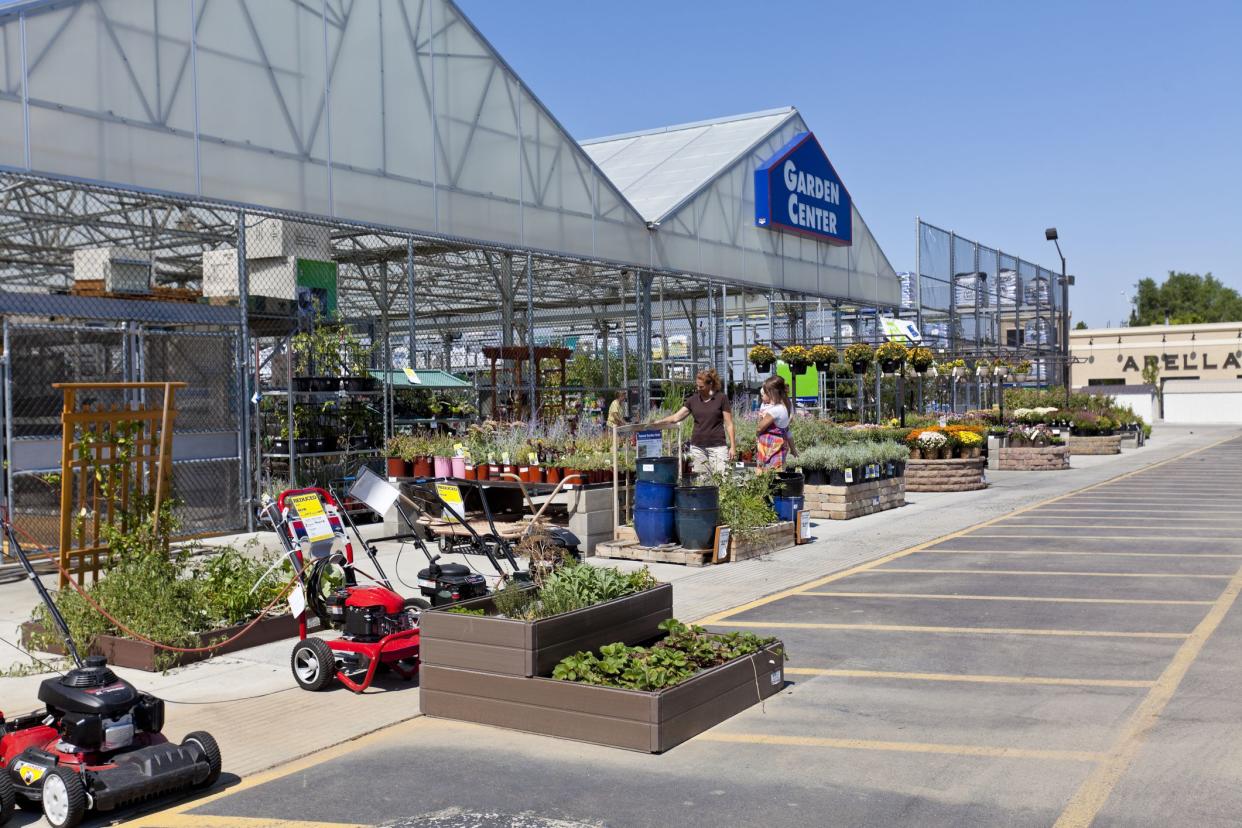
x: 398, y: 467
x: 422, y: 467
x: 890, y: 366
x: 472, y: 472
x: 763, y: 367
x: 458, y: 467
x: 552, y: 474
x: 860, y: 366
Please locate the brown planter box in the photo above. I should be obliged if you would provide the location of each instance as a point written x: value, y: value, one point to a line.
x: 139, y: 655
x: 529, y: 648
x: 958, y: 475
x: 651, y: 722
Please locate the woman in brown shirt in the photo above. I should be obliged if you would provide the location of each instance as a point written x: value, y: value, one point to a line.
x: 711, y: 443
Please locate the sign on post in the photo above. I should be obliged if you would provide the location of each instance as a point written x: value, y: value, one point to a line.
x: 650, y: 443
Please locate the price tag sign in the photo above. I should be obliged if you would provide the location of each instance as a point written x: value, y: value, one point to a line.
x: 297, y: 601
x: 849, y: 475
x: 650, y: 443
x: 720, y: 547
x: 455, y: 508
x: 412, y: 377
x: 802, y: 523
x: 309, y: 508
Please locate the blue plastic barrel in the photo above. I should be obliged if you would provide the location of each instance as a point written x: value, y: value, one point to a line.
x: 651, y: 495
x: 786, y: 506
x: 658, y: 469
x: 655, y: 526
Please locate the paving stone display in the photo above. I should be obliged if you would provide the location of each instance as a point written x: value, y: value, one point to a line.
x: 1033, y: 458
x: 956, y: 475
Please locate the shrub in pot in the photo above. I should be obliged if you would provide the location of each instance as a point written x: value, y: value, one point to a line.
x: 859, y: 356
x: 797, y: 357
x: 891, y: 355
x: 823, y: 356
x: 762, y: 357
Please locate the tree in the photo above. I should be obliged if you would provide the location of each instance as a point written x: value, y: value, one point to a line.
x: 1183, y: 299
x: 1081, y: 326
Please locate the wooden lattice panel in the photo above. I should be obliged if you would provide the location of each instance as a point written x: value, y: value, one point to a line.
x: 113, y: 456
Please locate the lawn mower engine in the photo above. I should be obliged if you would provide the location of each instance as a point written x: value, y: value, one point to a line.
x: 449, y: 583
x: 97, y: 746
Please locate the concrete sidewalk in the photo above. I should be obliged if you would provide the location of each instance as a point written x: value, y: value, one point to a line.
x: 249, y: 701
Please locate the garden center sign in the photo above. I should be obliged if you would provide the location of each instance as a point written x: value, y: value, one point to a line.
x: 798, y: 190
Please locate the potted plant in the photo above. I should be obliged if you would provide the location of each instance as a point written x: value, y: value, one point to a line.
x: 762, y: 357
x: 398, y: 466
x: 970, y: 443
x: 921, y: 359
x: 1022, y: 370
x: 932, y: 444
x: 1000, y: 367
x: 958, y: 367
x: 891, y: 356
x: 813, y: 463
x: 823, y: 356
x: 797, y: 357
x: 859, y: 355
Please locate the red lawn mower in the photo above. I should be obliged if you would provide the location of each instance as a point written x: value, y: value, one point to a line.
x: 97, y: 744
x: 379, y: 628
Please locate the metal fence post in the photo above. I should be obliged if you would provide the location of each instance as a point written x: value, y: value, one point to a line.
x: 644, y: 342
x: 530, y: 338
x: 246, y: 470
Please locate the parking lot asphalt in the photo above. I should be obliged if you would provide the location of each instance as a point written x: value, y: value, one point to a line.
x: 1070, y: 663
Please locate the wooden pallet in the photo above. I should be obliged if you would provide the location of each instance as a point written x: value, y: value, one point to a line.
x: 628, y: 550
x: 95, y: 288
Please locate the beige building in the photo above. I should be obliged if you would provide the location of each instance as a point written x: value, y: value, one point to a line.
x: 1116, y: 356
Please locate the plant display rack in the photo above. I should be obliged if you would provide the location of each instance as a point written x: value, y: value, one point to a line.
x: 856, y: 499
x: 650, y: 722
x: 1033, y: 458
x: 768, y: 539
x: 955, y: 475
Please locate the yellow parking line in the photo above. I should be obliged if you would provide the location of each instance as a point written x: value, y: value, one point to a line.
x: 716, y: 618
x: 901, y: 747
x: 1148, y: 538
x: 1095, y: 790
x: 1090, y: 523
x: 1179, y: 555
x: 799, y: 625
x: 914, y: 570
x: 313, y: 760
x: 1127, y: 516
x: 967, y: 678
x: 940, y: 597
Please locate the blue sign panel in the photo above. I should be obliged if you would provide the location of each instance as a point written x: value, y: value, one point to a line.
x: 798, y: 190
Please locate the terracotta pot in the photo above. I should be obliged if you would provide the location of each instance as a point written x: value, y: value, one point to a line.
x: 523, y: 473
x: 748, y: 457
x: 510, y: 469
x: 482, y: 471
x: 538, y: 474
x: 552, y: 474
x: 472, y: 471
x: 572, y: 472
x: 421, y: 467
x: 398, y: 467
x: 916, y: 454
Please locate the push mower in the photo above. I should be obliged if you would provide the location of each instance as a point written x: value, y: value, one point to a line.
x: 97, y: 744
x: 379, y: 627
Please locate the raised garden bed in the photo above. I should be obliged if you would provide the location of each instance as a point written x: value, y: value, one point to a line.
x: 958, y: 475
x: 139, y: 655
x: 515, y: 647
x: 1094, y: 444
x: 756, y: 544
x: 1033, y: 458
x: 846, y: 502
x: 651, y: 722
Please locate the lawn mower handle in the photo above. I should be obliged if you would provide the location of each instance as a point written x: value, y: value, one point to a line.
x: 52, y: 609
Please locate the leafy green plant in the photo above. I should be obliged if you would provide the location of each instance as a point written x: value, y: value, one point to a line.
x: 684, y: 651
x: 744, y: 500
x: 166, y: 596
x: 467, y: 611
x: 570, y: 587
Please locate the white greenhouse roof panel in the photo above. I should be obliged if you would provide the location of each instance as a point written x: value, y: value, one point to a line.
x: 657, y: 170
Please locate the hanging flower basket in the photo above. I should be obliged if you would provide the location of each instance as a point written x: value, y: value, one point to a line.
x: 891, y: 356
x: 762, y: 357
x: 921, y: 359
x: 859, y: 356
x: 890, y: 366
x: 798, y: 358
x: 823, y: 356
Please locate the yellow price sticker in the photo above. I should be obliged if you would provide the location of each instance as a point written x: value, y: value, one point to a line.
x: 309, y: 508
x: 451, y: 495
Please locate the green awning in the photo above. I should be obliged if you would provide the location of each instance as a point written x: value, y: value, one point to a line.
x: 428, y: 378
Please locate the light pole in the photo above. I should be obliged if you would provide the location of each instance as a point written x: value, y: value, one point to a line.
x: 1051, y: 235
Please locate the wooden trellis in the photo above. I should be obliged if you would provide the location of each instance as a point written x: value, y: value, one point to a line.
x: 112, y: 457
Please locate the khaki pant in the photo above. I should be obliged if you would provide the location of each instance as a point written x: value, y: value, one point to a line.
x: 714, y: 460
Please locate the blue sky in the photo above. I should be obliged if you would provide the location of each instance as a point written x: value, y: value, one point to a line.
x: 1119, y: 123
